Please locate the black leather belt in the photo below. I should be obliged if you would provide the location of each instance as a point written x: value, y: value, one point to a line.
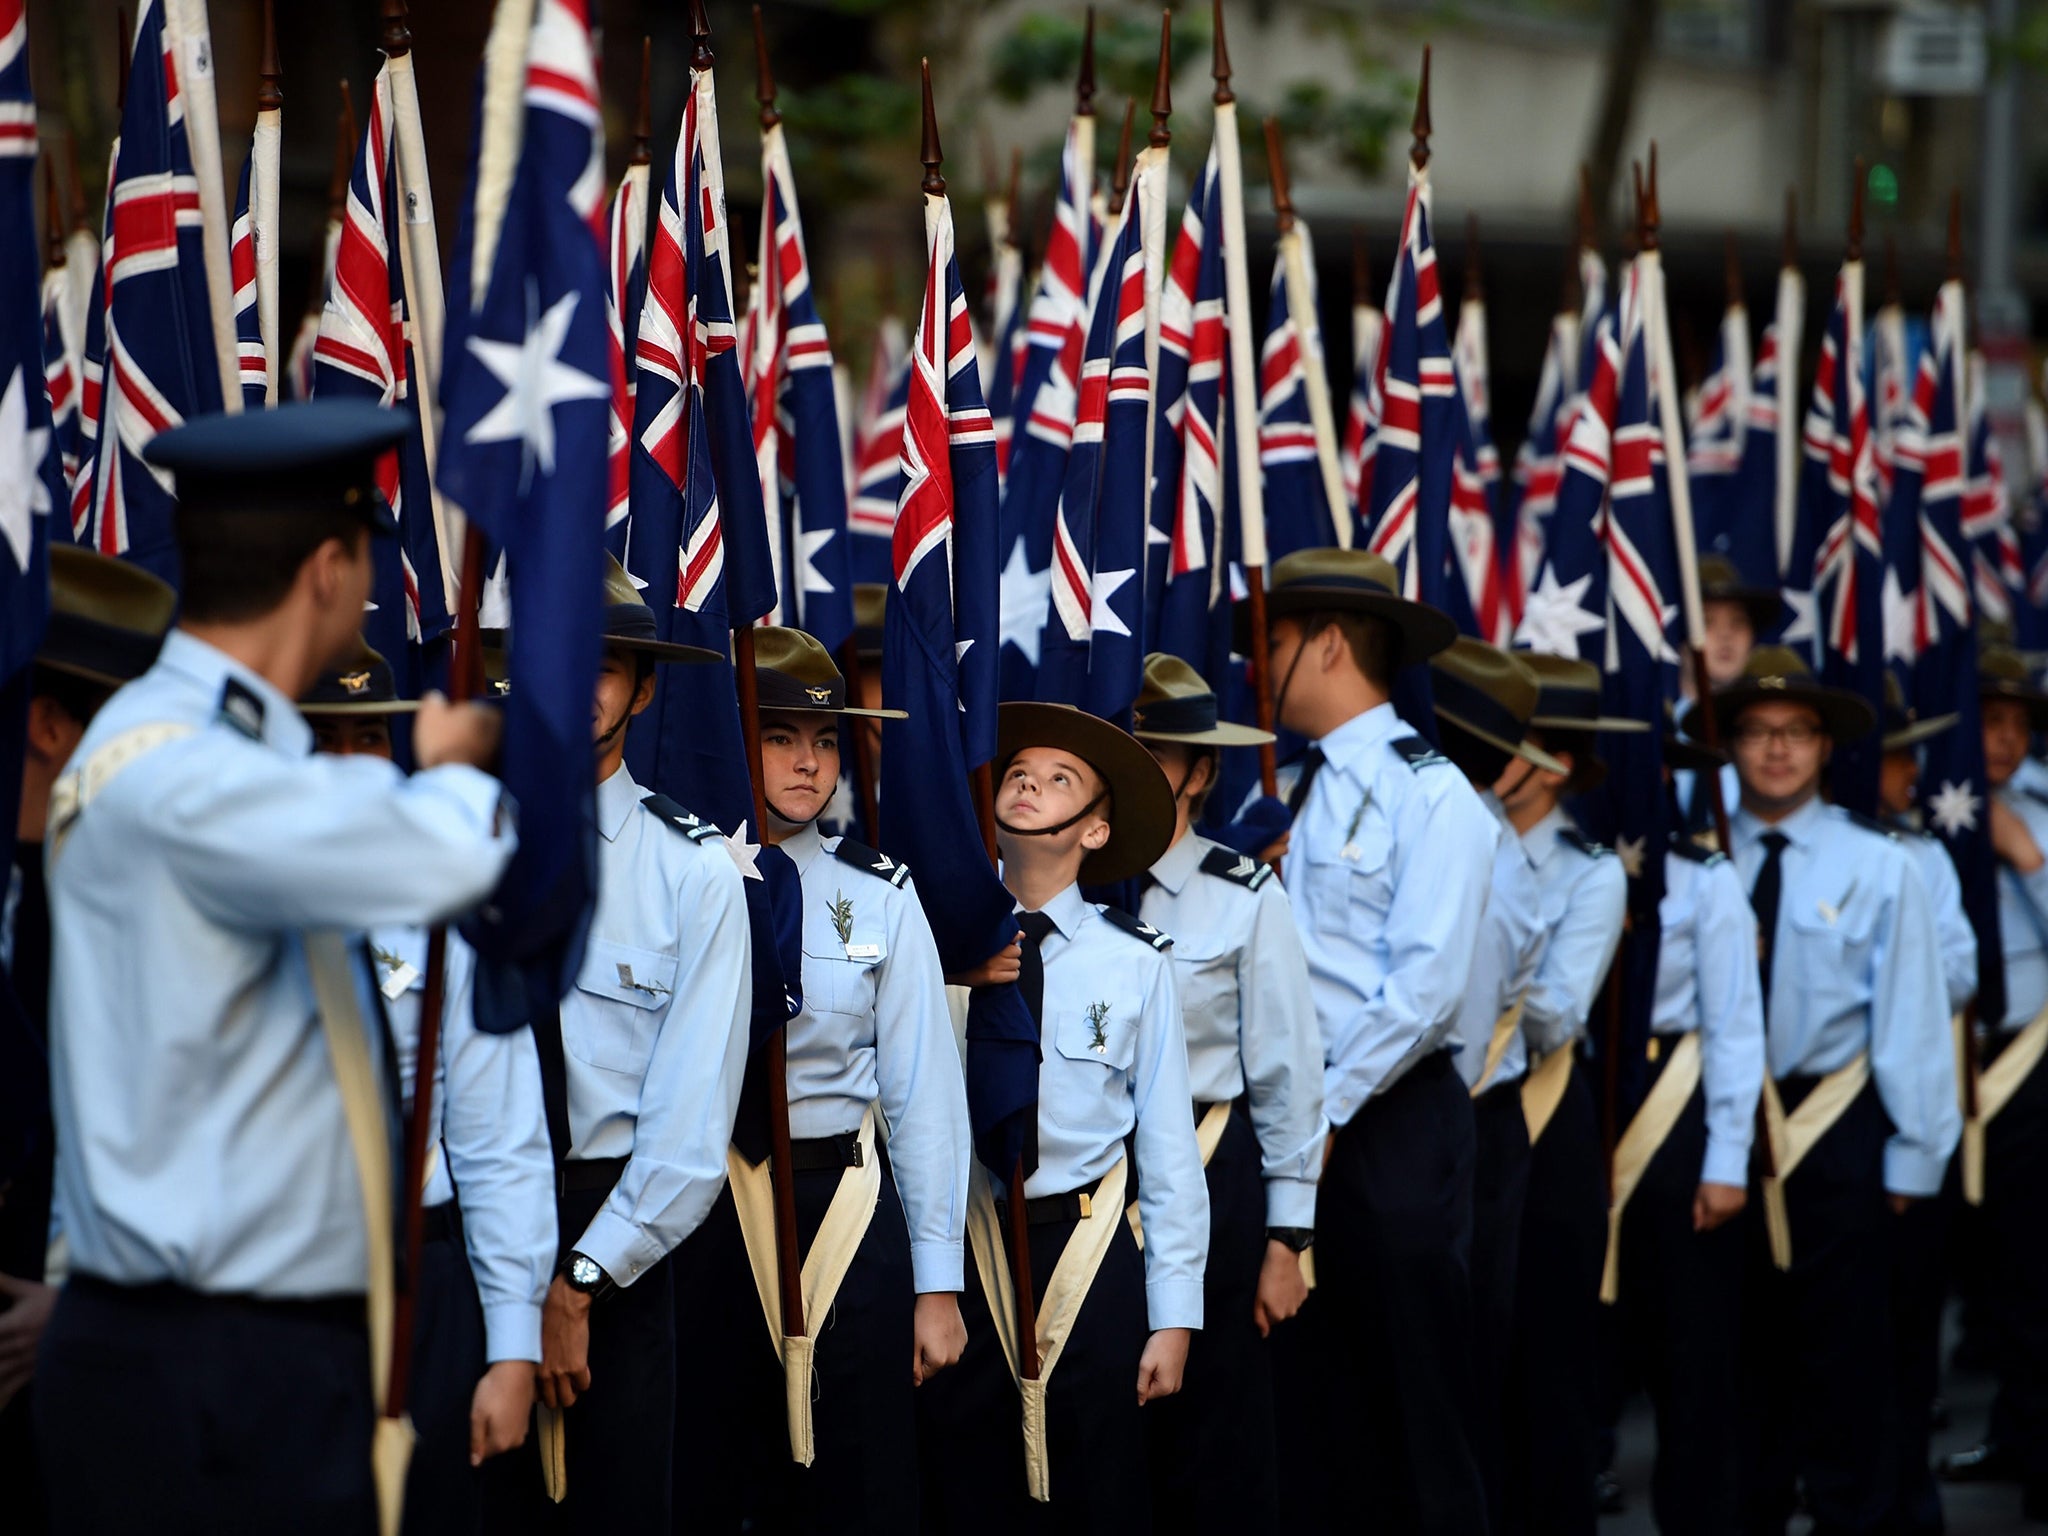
x: 825, y: 1154
x: 1202, y: 1108
x: 1074, y: 1205
x: 584, y: 1174
x: 441, y: 1223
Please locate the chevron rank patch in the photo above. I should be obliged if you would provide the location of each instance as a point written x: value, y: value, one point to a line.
x: 694, y: 827
x: 873, y: 860
x: 1417, y: 753
x: 1138, y: 928
x: 1238, y: 868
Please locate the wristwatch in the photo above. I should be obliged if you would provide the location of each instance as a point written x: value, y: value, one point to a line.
x: 1298, y: 1239
x: 585, y: 1274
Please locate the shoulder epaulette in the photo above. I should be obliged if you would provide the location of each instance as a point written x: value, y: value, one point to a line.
x: 695, y: 828
x: 1696, y: 852
x: 1417, y: 753
x: 1572, y: 837
x: 1138, y: 928
x: 1238, y: 868
x: 875, y: 862
x: 240, y: 709
x: 1869, y: 823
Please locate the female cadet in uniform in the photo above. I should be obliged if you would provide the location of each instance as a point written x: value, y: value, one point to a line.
x: 1077, y: 799
x: 1256, y: 1065
x: 488, y: 1209
x: 871, y: 1054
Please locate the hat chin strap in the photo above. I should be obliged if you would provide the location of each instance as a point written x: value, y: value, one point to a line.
x: 1079, y: 816
x: 612, y: 735
x: 796, y: 821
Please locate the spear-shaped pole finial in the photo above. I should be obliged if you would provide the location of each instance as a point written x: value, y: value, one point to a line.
x: 1855, y: 252
x: 643, y: 113
x: 934, y: 184
x: 1418, y: 153
x: 397, y: 39
x: 1731, y: 267
x: 1219, y: 59
x: 1120, y: 173
x: 1589, y: 226
x: 344, y: 156
x: 701, y: 56
x: 124, y: 45
x: 1276, y: 169
x: 764, y: 76
x: 270, y: 74
x: 1788, y: 250
x: 1475, y: 279
x: 1955, y: 235
x: 1084, y: 83
x: 1162, y: 86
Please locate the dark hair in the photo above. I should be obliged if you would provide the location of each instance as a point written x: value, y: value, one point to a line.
x: 1371, y: 641
x: 1480, y: 761
x: 78, y: 697
x: 1199, y: 801
x: 237, y: 566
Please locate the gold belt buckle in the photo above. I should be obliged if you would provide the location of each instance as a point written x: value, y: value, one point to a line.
x: 1087, y: 1206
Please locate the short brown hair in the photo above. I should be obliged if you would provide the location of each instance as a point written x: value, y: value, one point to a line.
x: 1371, y: 641
x: 239, y: 565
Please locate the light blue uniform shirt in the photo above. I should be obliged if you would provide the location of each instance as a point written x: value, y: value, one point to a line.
x: 1388, y: 868
x: 2032, y: 773
x: 1937, y: 873
x: 1585, y: 897
x: 1857, y: 968
x: 1707, y: 983
x: 493, y: 1135
x: 1103, y: 983
x: 1251, y: 1023
x: 654, y: 1033
x: 875, y: 1027
x: 1511, y: 946
x: 200, y: 1136
x: 2023, y: 917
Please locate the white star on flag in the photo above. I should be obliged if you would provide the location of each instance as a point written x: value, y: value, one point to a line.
x: 23, y: 494
x: 1556, y: 615
x: 536, y: 380
x: 809, y: 577
x: 1953, y: 808
x: 1102, y: 586
x: 1630, y: 851
x: 1802, y: 628
x: 1024, y: 596
x: 746, y: 856
x: 1901, y: 619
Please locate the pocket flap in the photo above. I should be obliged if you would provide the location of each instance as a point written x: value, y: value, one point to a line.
x: 1098, y: 1033
x: 639, y: 978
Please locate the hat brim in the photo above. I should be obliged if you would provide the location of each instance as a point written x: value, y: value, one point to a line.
x: 1528, y: 752
x: 1423, y: 630
x: 1919, y: 731
x: 1586, y: 727
x: 364, y: 707
x: 1224, y: 733
x: 1141, y: 816
x: 847, y: 709
x: 90, y: 674
x: 1694, y: 756
x: 1588, y: 768
x: 1845, y: 717
x: 663, y: 650
x: 2020, y: 693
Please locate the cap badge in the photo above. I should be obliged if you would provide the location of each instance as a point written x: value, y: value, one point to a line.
x: 819, y: 695
x: 354, y: 682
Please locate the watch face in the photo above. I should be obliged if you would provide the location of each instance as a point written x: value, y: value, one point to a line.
x: 584, y: 1271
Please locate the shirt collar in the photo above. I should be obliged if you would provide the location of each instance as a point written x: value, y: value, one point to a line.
x: 803, y: 846
x: 1799, y: 827
x: 208, y: 668
x: 616, y: 798
x: 1067, y: 911
x: 1344, y: 746
x: 1541, y: 839
x: 1178, y: 864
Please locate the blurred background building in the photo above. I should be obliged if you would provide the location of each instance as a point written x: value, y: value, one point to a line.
x: 1744, y: 98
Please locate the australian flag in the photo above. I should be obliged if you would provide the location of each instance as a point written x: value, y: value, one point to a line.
x: 625, y: 287
x: 939, y: 664
x: 1368, y: 326
x: 1477, y: 592
x: 363, y: 352
x: 1720, y: 420
x: 1298, y: 514
x: 1539, y: 462
x: 1742, y: 521
x: 1987, y: 509
x: 252, y: 358
x: 161, y: 367
x: 525, y: 394
x: 60, y: 389
x: 1010, y: 329
x: 1093, y: 655
x: 1954, y: 788
x: 79, y: 476
x: 796, y: 419
x: 877, y: 458
x: 1848, y: 572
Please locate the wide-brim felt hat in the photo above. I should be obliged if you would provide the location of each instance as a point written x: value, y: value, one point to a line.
x: 794, y: 674
x: 1140, y: 810
x: 1350, y: 581
x: 2003, y: 673
x: 1568, y: 700
x: 1488, y: 694
x: 629, y: 623
x: 305, y: 457
x: 361, y: 685
x: 1176, y: 704
x: 107, y: 617
x: 1721, y: 581
x: 1903, y: 728
x: 1776, y: 674
x: 1682, y: 753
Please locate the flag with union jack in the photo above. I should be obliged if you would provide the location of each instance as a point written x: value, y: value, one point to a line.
x: 525, y: 391
x: 1718, y: 426
x: 1298, y: 514
x: 796, y: 418
x: 625, y: 289
x: 60, y: 382
x: 1093, y: 653
x: 1987, y: 509
x: 939, y: 665
x: 92, y: 372
x: 877, y: 457
x: 1848, y: 571
x: 1479, y: 601
x: 31, y: 483
x: 1368, y: 326
x: 1010, y: 338
x: 1539, y: 462
x: 364, y: 351
x: 161, y: 364
x: 1742, y: 521
x: 1955, y: 788
x: 252, y: 359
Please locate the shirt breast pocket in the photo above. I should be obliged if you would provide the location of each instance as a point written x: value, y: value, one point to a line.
x: 1205, y: 967
x: 1101, y: 1042
x: 623, y: 992
x: 1352, y: 887
x: 1828, y: 960
x: 838, y: 982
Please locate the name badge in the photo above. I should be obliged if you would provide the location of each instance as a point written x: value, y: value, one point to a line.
x: 863, y: 951
x: 398, y: 979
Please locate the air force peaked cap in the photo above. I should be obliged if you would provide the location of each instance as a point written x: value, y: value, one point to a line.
x: 314, y: 456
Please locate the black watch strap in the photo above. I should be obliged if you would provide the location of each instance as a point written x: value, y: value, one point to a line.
x: 594, y: 1288
x: 1296, y: 1238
